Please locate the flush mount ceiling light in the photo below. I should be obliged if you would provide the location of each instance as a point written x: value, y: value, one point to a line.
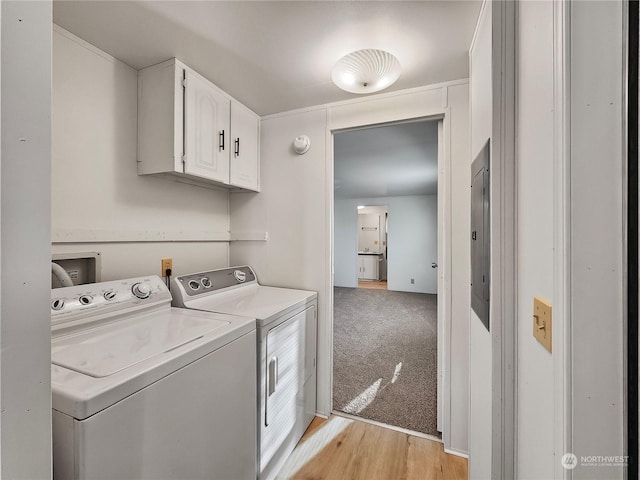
x: 366, y: 71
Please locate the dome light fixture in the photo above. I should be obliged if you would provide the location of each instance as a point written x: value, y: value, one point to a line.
x: 366, y: 71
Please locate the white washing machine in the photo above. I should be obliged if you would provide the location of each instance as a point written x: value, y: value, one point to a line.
x: 142, y: 390
x: 286, y: 348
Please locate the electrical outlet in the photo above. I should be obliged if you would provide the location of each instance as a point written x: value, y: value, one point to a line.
x: 167, y: 264
x: 413, y: 280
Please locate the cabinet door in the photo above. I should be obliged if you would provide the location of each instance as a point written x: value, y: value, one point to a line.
x: 361, y: 267
x: 244, y: 161
x: 207, y: 142
x: 370, y: 267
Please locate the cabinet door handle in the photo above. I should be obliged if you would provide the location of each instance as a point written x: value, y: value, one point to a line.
x: 273, y: 375
x: 221, y: 145
x: 237, y: 147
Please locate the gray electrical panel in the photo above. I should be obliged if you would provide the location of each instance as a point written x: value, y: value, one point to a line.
x: 480, y: 235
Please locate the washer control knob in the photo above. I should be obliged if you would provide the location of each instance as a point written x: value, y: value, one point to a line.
x: 141, y: 290
x: 240, y: 276
x: 85, y: 299
x: 57, y: 304
x: 206, y: 282
x: 109, y: 295
x: 194, y: 284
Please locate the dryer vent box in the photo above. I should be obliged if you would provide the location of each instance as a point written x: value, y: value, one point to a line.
x: 84, y: 267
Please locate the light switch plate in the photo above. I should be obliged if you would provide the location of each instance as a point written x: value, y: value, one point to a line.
x: 542, y: 322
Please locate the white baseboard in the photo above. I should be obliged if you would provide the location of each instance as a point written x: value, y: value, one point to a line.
x: 456, y: 453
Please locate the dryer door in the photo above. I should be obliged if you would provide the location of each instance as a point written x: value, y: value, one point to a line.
x: 285, y: 371
x: 283, y: 394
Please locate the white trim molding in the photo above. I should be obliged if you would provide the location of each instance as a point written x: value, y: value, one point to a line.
x: 561, y: 237
x: 355, y: 115
x: 456, y: 453
x: 503, y: 242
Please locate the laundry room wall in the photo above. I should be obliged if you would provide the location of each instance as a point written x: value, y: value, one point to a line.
x: 99, y: 203
x: 413, y: 245
x: 598, y: 263
x: 535, y: 182
x: 25, y: 331
x: 295, y: 204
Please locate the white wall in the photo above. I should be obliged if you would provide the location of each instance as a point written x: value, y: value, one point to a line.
x: 25, y: 172
x: 132, y: 259
x: 295, y: 204
x: 598, y: 266
x: 345, y: 243
x: 412, y: 242
x: 98, y: 196
x: 569, y: 203
x: 480, y: 351
x: 535, y: 226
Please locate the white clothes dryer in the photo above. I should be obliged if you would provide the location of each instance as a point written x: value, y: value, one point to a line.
x: 142, y: 390
x: 286, y: 348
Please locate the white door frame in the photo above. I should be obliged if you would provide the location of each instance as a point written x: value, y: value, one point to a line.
x: 444, y: 250
x: 561, y: 243
x: 503, y: 242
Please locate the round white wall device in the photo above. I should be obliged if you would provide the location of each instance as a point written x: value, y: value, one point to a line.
x: 301, y: 144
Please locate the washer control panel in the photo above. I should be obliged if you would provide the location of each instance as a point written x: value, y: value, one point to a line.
x: 106, y: 297
x: 215, y: 280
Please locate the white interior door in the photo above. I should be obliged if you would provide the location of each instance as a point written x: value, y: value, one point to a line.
x: 207, y: 142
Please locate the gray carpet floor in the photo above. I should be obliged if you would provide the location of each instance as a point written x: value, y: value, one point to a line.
x: 385, y: 359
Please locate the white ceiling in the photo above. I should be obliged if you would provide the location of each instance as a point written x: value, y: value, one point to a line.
x: 386, y: 161
x: 275, y: 56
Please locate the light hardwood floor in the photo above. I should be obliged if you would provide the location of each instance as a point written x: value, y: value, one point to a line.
x: 345, y: 449
x: 382, y: 285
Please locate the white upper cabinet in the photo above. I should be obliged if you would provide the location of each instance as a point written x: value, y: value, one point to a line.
x: 189, y: 128
x: 206, y: 129
x: 244, y: 165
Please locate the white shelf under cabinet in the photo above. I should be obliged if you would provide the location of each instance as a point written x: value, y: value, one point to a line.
x: 192, y: 130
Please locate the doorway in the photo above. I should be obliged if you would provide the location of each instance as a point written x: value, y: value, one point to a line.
x: 385, y: 357
x: 372, y: 246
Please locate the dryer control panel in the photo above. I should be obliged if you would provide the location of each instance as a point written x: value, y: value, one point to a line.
x: 215, y: 280
x: 212, y: 281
